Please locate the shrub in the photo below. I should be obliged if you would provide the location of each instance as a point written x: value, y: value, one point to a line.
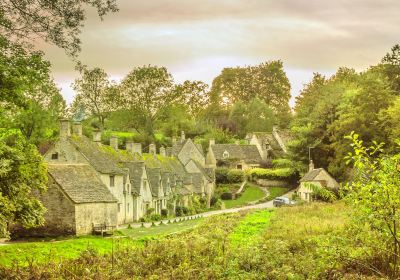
x: 155, y: 217
x: 185, y: 210
x: 287, y: 174
x: 221, y: 175
x: 164, y: 212
x: 226, y: 196
x: 213, y: 200
x: 282, y: 163
x: 178, y: 211
x: 235, y: 176
x: 150, y: 211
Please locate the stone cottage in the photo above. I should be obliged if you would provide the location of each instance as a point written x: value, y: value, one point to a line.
x: 319, y: 177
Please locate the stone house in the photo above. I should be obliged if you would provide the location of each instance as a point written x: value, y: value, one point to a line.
x: 319, y: 177
x: 71, y: 208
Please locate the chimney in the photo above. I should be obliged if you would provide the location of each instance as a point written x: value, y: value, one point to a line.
x: 212, y: 141
x: 65, y: 131
x: 97, y: 136
x: 77, y: 128
x: 311, y: 166
x: 162, y: 151
x: 152, y: 149
x: 137, y: 148
x: 129, y: 146
x: 182, y: 136
x: 173, y: 141
x: 114, y: 142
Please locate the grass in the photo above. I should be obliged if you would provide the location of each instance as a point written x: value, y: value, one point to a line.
x: 250, y: 228
x: 250, y: 194
x: 43, y: 250
x: 275, y: 192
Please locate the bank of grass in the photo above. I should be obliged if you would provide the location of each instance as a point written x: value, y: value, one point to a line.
x: 251, y: 193
x: 275, y: 192
x: 250, y: 228
x: 44, y: 250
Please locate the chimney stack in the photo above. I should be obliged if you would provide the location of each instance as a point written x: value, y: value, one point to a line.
x: 212, y: 141
x: 65, y: 131
x: 129, y: 146
x: 97, y: 136
x: 173, y: 141
x: 311, y: 166
x: 77, y: 128
x: 114, y: 142
x: 152, y: 149
x: 162, y: 151
x: 182, y: 136
x: 134, y: 148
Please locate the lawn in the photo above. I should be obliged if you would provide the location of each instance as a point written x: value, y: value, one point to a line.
x: 250, y: 194
x: 42, y: 251
x: 275, y: 192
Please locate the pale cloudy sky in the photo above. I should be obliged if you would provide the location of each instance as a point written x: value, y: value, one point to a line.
x: 196, y: 39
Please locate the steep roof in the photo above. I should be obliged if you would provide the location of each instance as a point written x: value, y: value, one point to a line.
x: 248, y: 153
x: 98, y: 155
x: 136, y: 172
x: 176, y: 148
x: 309, y: 176
x: 197, y: 182
x: 80, y: 182
x: 154, y: 179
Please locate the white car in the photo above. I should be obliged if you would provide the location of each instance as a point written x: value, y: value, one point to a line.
x: 281, y: 200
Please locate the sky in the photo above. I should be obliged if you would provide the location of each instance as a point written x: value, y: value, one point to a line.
x: 196, y: 39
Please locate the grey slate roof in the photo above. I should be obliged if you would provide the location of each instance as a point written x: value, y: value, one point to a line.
x: 100, y: 159
x: 80, y: 182
x: 309, y: 176
x: 248, y: 153
x: 183, y: 190
x: 136, y: 173
x: 197, y: 182
x: 154, y: 180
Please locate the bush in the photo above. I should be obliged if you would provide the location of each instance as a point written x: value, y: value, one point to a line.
x: 226, y: 196
x: 235, y: 176
x: 282, y: 163
x: 287, y: 174
x: 150, y: 211
x: 185, y: 210
x: 213, y: 200
x: 178, y: 211
x: 155, y: 217
x: 164, y: 212
x: 221, y: 176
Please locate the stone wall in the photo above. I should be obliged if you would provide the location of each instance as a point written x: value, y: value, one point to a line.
x: 88, y: 214
x: 272, y: 183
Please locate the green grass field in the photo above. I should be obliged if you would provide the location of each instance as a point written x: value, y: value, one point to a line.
x: 275, y: 192
x: 42, y: 251
x: 250, y: 194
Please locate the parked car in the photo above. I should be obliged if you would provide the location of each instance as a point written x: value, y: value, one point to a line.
x: 279, y: 201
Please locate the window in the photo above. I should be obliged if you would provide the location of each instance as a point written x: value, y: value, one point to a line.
x: 54, y: 156
x: 225, y: 154
x: 239, y: 166
x: 112, y: 180
x: 128, y: 207
x: 119, y: 207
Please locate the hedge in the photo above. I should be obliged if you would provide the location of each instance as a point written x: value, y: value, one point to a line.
x: 221, y: 176
x: 287, y: 174
x: 235, y: 176
x: 282, y: 163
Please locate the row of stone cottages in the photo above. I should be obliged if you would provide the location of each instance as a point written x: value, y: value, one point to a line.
x: 91, y: 183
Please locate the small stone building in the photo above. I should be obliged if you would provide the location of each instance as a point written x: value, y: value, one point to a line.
x: 319, y: 177
x: 75, y: 200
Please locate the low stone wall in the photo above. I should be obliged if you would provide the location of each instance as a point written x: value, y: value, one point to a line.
x: 272, y: 183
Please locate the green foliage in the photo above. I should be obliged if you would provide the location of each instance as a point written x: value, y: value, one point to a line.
x: 226, y: 196
x: 321, y: 193
x: 274, y: 192
x: 221, y: 176
x: 235, y: 176
x: 164, y: 213
x: 22, y: 174
x: 287, y: 173
x: 282, y: 163
x: 374, y: 193
x: 250, y: 194
x: 58, y: 23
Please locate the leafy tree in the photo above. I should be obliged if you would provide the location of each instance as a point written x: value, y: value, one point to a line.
x: 146, y: 91
x: 267, y: 81
x: 391, y: 66
x: 96, y: 93
x: 22, y: 172
x: 58, y: 22
x: 174, y: 119
x: 374, y: 193
x: 194, y: 95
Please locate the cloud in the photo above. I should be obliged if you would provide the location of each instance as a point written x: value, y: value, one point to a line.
x: 196, y: 39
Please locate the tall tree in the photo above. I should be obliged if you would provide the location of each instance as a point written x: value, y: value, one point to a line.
x: 391, y: 66
x: 95, y: 93
x: 194, y: 95
x: 146, y: 91
x: 58, y: 22
x: 22, y: 172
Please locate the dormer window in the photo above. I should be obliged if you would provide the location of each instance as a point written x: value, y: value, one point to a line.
x: 112, y: 177
x: 225, y: 154
x: 54, y: 156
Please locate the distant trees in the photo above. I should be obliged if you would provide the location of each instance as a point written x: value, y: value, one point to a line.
x: 95, y: 93
x: 22, y: 171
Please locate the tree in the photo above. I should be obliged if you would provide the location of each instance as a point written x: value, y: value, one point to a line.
x: 267, y: 82
x: 374, y: 193
x: 95, y: 93
x: 57, y: 22
x: 391, y: 66
x: 194, y: 95
x: 146, y: 91
x: 22, y: 172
